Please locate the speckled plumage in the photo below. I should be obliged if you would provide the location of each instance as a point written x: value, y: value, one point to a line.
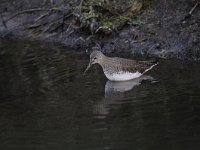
x: 120, y: 69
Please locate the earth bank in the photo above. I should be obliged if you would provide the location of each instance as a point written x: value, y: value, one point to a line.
x: 166, y: 29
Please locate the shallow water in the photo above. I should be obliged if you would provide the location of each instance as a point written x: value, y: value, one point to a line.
x: 47, y: 103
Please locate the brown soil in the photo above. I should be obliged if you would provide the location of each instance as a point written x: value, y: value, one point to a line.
x: 161, y: 28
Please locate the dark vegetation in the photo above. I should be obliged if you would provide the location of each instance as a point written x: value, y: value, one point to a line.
x: 165, y: 28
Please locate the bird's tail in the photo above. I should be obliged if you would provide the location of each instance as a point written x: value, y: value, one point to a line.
x: 151, y: 61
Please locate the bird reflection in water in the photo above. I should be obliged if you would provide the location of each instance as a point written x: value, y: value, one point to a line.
x: 116, y: 92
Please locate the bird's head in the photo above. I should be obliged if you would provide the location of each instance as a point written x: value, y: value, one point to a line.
x: 95, y: 57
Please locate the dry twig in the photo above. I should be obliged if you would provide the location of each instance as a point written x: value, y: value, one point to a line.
x: 191, y: 11
x: 3, y: 21
x: 193, y: 8
x: 29, y: 11
x: 42, y: 16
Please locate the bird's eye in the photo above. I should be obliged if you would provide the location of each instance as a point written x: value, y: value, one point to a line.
x: 95, y: 58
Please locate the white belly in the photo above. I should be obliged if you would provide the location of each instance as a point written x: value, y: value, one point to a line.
x: 122, y: 76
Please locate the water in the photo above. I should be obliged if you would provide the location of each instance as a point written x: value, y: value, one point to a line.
x: 47, y: 103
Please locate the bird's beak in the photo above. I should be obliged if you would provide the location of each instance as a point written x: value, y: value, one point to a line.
x: 88, y: 67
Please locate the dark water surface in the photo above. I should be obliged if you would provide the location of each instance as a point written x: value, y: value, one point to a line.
x: 46, y: 103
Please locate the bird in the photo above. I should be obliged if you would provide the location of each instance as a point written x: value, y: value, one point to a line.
x: 120, y: 69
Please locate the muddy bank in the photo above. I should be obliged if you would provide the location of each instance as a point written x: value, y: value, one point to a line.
x: 160, y: 28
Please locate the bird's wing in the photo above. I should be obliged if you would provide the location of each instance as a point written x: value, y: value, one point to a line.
x: 140, y: 66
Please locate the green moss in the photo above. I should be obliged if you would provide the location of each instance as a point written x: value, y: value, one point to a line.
x: 90, y: 15
x: 108, y: 23
x: 111, y: 14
